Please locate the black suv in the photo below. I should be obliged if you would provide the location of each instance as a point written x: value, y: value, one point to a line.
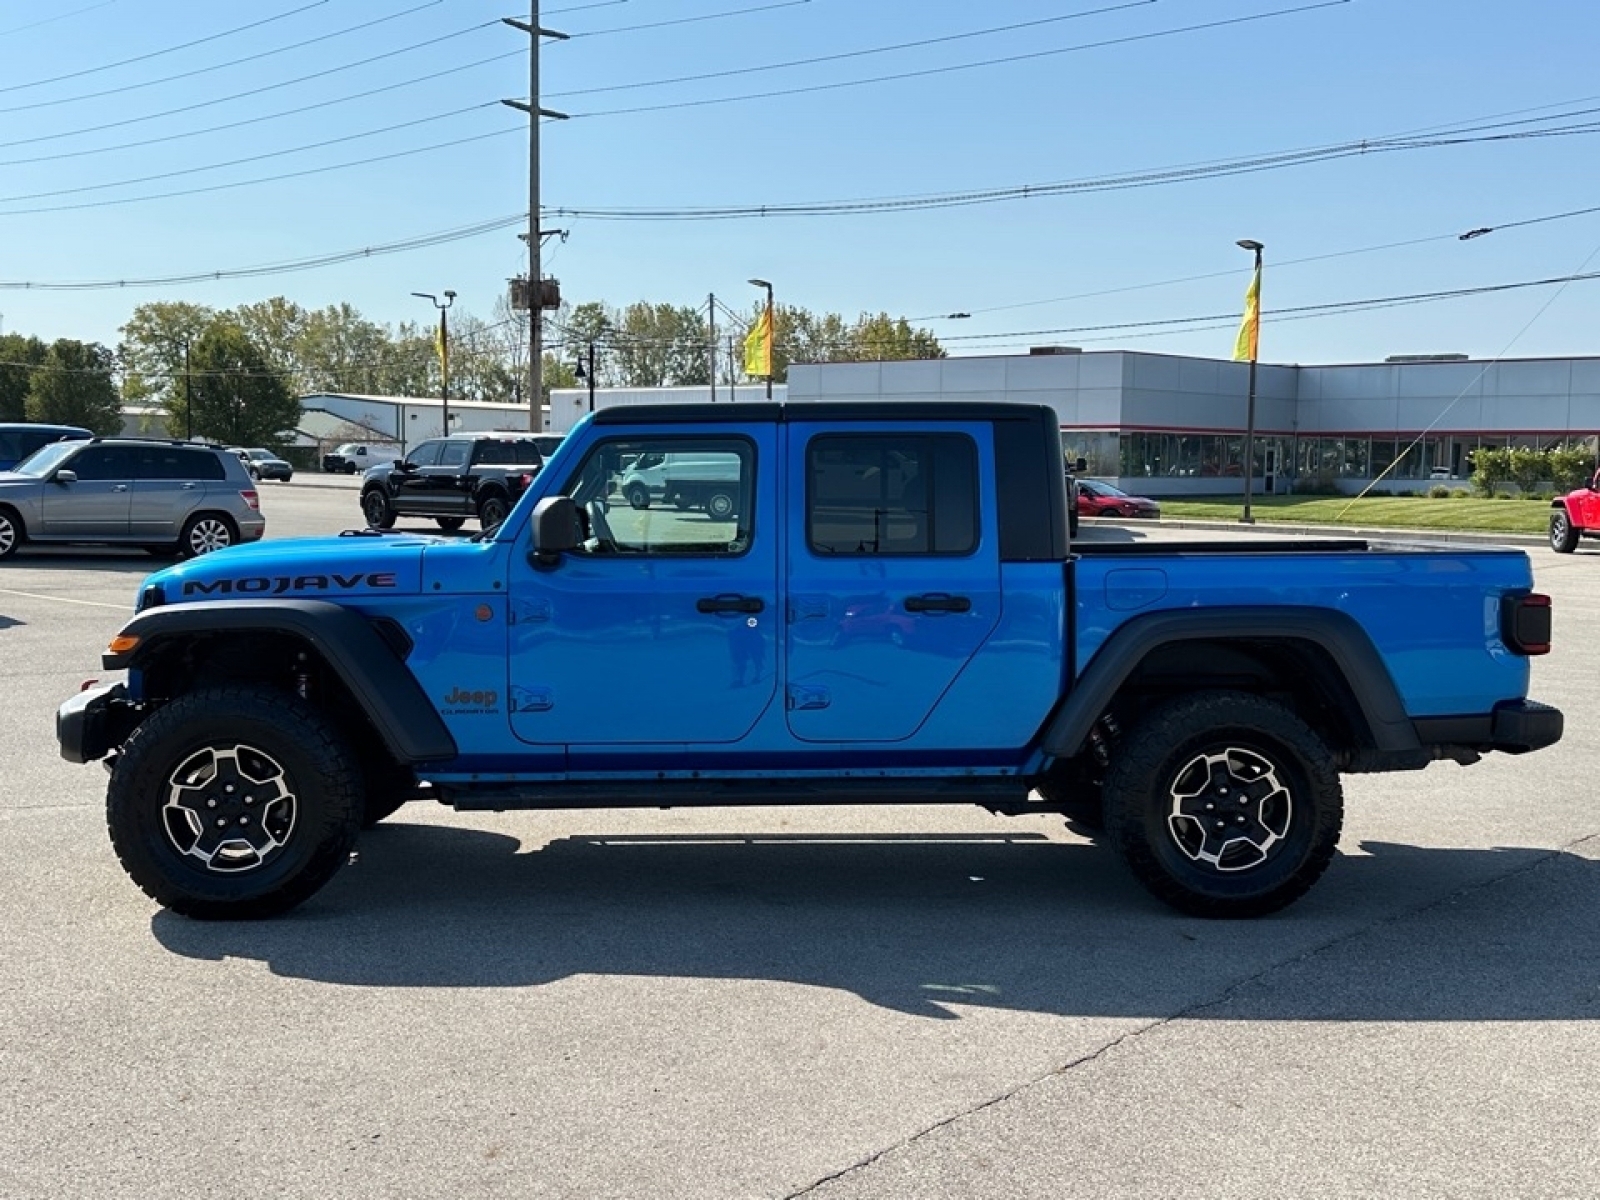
x: 452, y: 478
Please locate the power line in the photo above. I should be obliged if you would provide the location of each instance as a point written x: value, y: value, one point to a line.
x: 1030, y: 191
x: 253, y: 158
x: 138, y: 58
x: 410, y: 81
x: 208, y: 103
x: 421, y: 241
x: 223, y: 187
x: 720, y: 16
x: 58, y: 17
x: 992, y: 62
x: 849, y: 54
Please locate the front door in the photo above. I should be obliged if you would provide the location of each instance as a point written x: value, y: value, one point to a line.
x: 894, y: 574
x: 663, y: 628
x: 96, y: 503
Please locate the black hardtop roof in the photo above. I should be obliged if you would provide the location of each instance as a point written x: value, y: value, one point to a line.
x: 760, y: 411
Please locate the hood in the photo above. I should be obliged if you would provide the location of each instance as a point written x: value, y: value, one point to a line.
x: 305, y: 568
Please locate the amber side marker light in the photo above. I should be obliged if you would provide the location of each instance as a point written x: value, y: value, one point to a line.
x: 122, y: 643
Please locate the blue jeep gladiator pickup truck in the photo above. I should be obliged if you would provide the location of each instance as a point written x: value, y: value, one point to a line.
x: 892, y: 612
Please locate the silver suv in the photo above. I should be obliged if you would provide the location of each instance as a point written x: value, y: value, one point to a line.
x: 173, y: 497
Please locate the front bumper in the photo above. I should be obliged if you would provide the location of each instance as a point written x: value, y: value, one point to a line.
x: 95, y: 722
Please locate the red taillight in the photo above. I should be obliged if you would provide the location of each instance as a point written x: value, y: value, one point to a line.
x: 253, y: 499
x: 1525, y: 623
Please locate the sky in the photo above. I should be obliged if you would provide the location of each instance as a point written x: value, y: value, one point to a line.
x: 151, y: 139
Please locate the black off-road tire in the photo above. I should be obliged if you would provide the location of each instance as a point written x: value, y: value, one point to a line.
x: 450, y: 524
x: 12, y: 533
x: 1563, y: 533
x: 492, y: 511
x: 1275, y: 804
x: 205, y: 532
x: 302, y: 803
x: 376, y: 508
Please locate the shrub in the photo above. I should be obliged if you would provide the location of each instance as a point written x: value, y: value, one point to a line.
x: 1319, y: 483
x: 1570, y: 468
x: 1439, y: 492
x: 1491, y: 468
x: 1503, y: 496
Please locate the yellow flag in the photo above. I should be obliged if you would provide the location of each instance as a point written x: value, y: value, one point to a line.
x: 758, y: 347
x: 442, y: 349
x: 1249, y: 339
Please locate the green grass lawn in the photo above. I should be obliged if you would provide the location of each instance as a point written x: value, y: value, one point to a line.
x: 1395, y: 512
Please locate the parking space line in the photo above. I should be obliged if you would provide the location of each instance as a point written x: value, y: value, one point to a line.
x: 63, y: 599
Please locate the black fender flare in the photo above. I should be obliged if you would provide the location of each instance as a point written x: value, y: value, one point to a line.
x: 346, y: 640
x: 1336, y: 632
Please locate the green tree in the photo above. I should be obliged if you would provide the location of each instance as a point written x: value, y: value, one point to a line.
x: 238, y: 398
x: 661, y: 345
x: 152, y: 351
x: 881, y: 338
x: 18, y: 356
x: 277, y: 328
x: 74, y: 386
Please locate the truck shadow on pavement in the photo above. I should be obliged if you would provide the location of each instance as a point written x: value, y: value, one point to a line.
x: 929, y: 924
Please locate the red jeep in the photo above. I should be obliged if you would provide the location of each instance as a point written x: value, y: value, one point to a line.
x: 1575, y: 515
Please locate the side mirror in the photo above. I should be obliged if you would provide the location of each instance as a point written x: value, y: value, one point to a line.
x: 556, y: 530
x: 401, y: 464
x: 1080, y: 466
x: 66, y: 476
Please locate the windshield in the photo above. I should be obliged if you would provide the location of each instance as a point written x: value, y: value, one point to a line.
x: 46, y: 459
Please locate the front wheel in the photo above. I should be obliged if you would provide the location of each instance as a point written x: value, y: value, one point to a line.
x: 450, y: 524
x: 233, y: 803
x: 1563, y: 535
x: 204, y: 533
x: 1224, y: 804
x: 375, y: 507
x: 638, y: 495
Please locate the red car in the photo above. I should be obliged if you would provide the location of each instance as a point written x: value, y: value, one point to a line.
x: 1096, y: 499
x: 1575, y: 515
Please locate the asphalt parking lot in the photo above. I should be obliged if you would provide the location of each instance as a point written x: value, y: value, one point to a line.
x: 833, y: 1003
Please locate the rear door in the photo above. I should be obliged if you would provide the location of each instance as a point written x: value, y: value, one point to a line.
x: 169, y: 483
x: 94, y: 505
x: 894, y: 573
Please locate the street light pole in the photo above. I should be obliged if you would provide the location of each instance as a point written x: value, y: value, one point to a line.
x: 444, y: 350
x: 772, y: 331
x: 1250, y: 403
x: 589, y: 375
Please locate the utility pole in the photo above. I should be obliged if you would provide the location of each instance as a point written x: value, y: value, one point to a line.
x: 711, y: 317
x: 535, y: 284
x: 188, y: 395
x: 733, y: 374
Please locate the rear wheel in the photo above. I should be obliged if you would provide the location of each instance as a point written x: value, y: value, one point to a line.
x: 205, y: 532
x: 492, y: 511
x: 1224, y: 804
x: 12, y: 534
x: 233, y: 803
x: 720, y: 505
x: 375, y: 507
x: 1563, y: 535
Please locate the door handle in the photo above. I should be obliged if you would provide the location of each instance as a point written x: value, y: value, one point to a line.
x: 730, y: 602
x: 187, y: 487
x: 938, y: 602
x: 120, y: 487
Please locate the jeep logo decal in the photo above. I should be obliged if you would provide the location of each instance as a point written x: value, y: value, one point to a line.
x: 468, y: 700
x: 276, y: 585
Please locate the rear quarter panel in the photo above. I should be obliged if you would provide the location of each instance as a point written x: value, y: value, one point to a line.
x: 1433, y: 614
